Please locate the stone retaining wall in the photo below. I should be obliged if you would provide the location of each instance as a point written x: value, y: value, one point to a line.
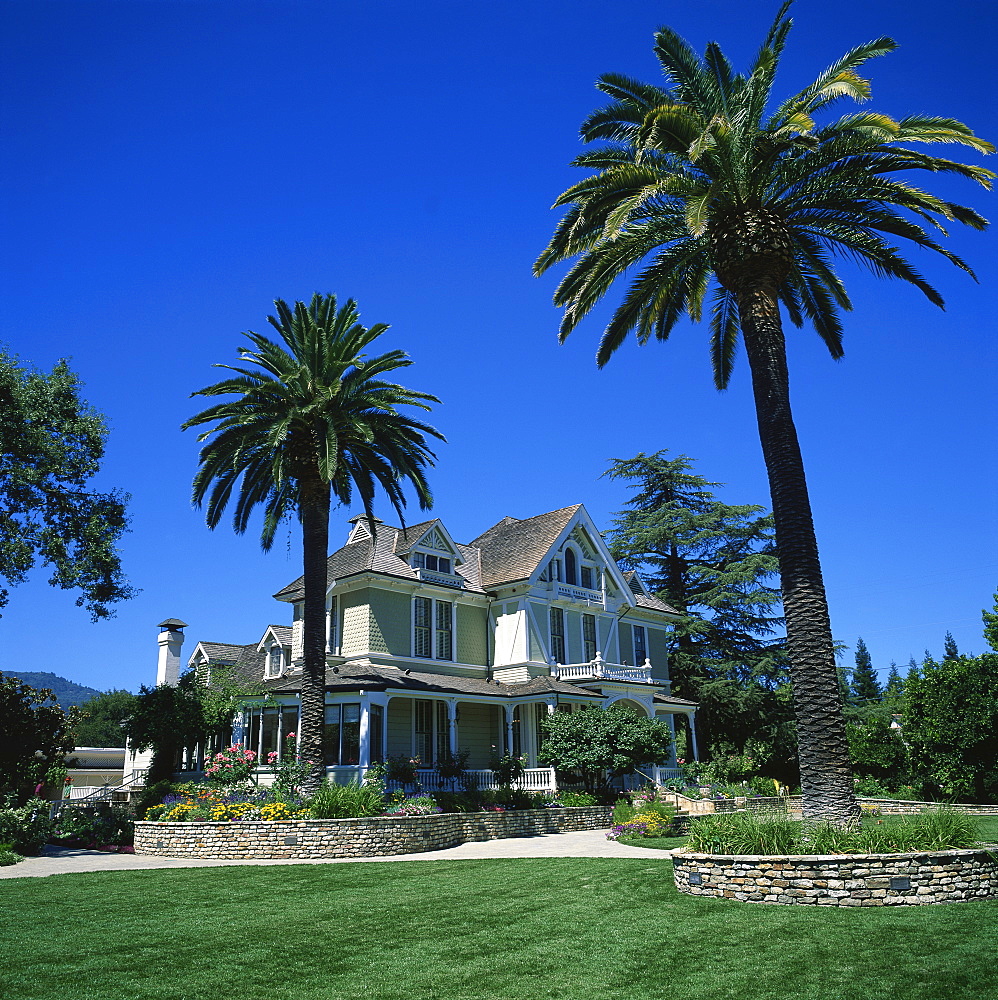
x: 357, y: 838
x: 842, y: 879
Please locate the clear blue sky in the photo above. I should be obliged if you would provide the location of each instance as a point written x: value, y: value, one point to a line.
x: 169, y: 168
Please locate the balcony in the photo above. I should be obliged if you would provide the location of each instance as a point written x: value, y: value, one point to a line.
x: 577, y: 595
x: 599, y: 670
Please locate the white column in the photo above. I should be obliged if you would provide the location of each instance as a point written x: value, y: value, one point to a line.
x: 509, y: 727
x: 452, y: 725
x: 693, y: 735
x: 365, y: 731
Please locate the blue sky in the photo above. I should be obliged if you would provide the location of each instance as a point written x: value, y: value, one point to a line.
x: 169, y: 168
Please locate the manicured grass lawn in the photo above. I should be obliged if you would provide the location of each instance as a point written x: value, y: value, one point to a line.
x: 575, y: 929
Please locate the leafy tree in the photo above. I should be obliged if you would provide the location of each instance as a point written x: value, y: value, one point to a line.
x: 865, y: 687
x: 707, y: 185
x: 166, y: 719
x: 99, y: 722
x: 950, y: 652
x: 51, y: 445
x: 990, y: 619
x: 879, y: 752
x: 951, y: 727
x: 711, y: 561
x: 311, y: 420
x: 596, y: 744
x: 35, y: 736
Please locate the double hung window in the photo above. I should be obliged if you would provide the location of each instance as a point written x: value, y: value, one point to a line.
x: 432, y: 736
x: 341, y: 734
x: 589, y: 637
x: 640, y: 645
x: 557, y: 620
x: 432, y: 629
x: 426, y: 560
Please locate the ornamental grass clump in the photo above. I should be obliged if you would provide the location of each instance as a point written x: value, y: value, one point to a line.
x: 774, y: 833
x: 346, y: 801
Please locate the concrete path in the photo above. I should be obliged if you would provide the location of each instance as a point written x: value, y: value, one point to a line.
x: 587, y: 844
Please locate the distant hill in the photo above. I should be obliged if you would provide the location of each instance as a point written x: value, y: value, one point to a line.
x: 67, y: 692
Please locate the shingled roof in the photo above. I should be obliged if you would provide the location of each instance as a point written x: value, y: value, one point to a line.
x: 512, y: 549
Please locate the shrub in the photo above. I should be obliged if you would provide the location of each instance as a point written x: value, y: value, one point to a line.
x: 96, y: 825
x: 346, y: 801
x: 744, y: 833
x: 576, y: 799
x: 26, y: 828
x: 152, y: 795
x: 231, y: 765
x: 8, y: 856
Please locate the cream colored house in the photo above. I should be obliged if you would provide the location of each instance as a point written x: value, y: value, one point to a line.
x: 435, y: 646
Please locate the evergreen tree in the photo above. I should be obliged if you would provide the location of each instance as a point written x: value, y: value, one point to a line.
x: 895, y: 687
x: 865, y: 685
x: 712, y: 562
x: 990, y: 619
x: 950, y: 652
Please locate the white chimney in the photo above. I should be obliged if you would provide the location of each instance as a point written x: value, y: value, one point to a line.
x: 171, y: 638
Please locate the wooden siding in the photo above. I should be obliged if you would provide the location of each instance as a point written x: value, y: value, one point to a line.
x: 400, y: 726
x: 472, y: 644
x: 478, y: 731
x: 658, y: 652
x: 356, y: 629
x: 390, y: 622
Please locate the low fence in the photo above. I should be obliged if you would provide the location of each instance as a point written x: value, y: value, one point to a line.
x: 356, y: 838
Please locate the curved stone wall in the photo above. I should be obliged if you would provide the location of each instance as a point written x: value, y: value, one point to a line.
x: 841, y: 879
x: 356, y: 838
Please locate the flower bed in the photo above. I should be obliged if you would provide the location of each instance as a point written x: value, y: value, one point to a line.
x: 841, y: 879
x: 356, y: 838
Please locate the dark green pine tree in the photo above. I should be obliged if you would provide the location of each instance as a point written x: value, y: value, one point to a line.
x: 950, y: 652
x: 866, y: 688
x: 990, y: 619
x: 713, y: 562
x: 894, y: 688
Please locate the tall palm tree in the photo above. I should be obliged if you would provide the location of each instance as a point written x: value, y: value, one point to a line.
x: 312, y: 420
x: 713, y: 192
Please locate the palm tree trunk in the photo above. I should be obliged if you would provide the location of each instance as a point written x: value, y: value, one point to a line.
x: 314, y: 496
x: 826, y: 777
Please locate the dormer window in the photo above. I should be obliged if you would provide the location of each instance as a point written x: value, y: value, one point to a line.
x: 571, y: 574
x: 275, y: 661
x: 426, y: 560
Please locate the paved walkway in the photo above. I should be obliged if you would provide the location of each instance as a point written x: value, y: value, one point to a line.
x: 587, y: 844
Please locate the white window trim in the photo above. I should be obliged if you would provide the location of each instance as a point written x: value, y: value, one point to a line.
x: 434, y: 601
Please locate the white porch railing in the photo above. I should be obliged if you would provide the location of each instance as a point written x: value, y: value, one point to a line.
x: 598, y: 669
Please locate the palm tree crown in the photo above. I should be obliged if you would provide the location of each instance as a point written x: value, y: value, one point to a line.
x: 313, y: 419
x: 712, y: 189
x: 316, y: 407
x: 724, y: 201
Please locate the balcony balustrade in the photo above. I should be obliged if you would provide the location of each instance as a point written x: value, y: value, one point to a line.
x: 598, y: 669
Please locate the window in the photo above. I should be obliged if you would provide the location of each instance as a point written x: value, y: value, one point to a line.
x: 341, y: 734
x: 332, y: 627
x: 275, y: 661
x: 571, y: 576
x: 432, y: 731
x: 424, y: 560
x: 432, y: 628
x: 557, y: 617
x: 587, y: 577
x: 589, y: 637
x: 640, y: 645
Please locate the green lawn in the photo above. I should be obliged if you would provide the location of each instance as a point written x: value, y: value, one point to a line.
x: 469, y: 930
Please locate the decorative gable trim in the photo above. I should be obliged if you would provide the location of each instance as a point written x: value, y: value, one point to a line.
x: 436, y: 538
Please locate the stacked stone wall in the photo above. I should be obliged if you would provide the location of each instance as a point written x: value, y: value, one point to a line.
x: 356, y: 838
x: 841, y: 880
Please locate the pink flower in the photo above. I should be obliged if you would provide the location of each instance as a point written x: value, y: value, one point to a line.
x: 290, y: 736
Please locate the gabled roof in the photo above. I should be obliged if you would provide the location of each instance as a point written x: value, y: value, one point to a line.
x: 381, y: 556
x: 283, y: 634
x: 513, y: 549
x: 220, y: 652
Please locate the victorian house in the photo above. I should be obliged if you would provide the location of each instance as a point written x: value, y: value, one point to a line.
x: 435, y: 646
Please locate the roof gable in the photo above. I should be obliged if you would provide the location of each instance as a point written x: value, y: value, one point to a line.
x: 514, y: 549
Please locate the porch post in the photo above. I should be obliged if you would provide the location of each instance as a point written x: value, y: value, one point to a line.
x: 452, y: 726
x: 693, y: 734
x: 364, y: 758
x: 509, y: 727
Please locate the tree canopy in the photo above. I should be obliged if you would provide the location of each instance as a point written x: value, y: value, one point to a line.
x: 99, y: 720
x: 51, y: 446
x: 595, y: 743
